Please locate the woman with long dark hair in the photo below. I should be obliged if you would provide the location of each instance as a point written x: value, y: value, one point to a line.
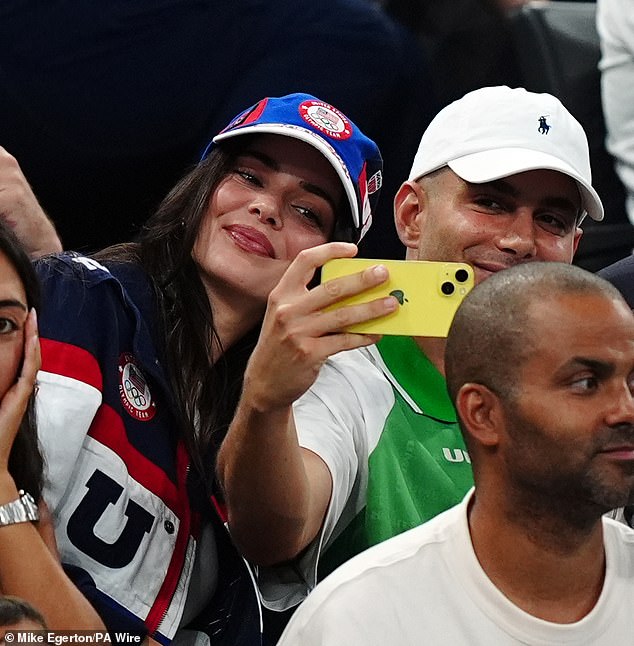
x: 29, y: 566
x: 144, y: 348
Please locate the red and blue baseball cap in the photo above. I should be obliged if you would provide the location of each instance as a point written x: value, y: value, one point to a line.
x: 355, y: 157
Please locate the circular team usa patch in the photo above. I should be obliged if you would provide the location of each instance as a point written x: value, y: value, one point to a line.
x: 134, y: 390
x: 326, y: 119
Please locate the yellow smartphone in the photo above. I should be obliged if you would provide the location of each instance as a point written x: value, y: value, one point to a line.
x: 429, y: 294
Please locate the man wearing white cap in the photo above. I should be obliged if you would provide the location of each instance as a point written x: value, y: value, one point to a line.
x: 501, y: 177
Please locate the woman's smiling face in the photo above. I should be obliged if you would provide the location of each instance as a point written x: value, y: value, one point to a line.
x: 281, y: 196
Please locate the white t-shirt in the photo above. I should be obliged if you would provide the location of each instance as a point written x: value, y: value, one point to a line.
x: 426, y: 586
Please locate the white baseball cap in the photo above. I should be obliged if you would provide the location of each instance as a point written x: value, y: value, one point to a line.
x: 495, y: 132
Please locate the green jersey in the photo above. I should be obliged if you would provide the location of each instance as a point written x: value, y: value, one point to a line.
x: 419, y: 467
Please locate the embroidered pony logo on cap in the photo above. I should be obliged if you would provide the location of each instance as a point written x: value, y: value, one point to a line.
x: 543, y: 126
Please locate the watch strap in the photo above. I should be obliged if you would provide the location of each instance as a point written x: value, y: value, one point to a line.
x: 22, y: 510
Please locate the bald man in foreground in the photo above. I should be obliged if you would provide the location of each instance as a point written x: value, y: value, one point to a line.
x: 543, y: 387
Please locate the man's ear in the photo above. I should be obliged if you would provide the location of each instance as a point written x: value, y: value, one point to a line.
x: 576, y: 240
x: 480, y: 410
x: 410, y: 200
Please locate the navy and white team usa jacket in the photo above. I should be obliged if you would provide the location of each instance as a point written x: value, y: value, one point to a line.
x: 126, y: 517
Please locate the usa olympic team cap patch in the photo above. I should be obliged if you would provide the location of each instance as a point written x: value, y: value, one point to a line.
x: 327, y: 119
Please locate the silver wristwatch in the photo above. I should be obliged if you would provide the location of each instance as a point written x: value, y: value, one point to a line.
x: 21, y: 510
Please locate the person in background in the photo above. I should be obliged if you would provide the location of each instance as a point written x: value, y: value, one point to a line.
x: 544, y: 389
x: 21, y: 212
x: 621, y: 275
x: 144, y: 347
x: 29, y: 564
x: 615, y: 24
x: 455, y: 36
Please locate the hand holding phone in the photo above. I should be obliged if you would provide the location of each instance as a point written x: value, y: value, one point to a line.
x: 428, y: 294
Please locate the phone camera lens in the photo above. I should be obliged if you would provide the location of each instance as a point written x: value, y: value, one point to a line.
x: 462, y: 275
x: 447, y: 288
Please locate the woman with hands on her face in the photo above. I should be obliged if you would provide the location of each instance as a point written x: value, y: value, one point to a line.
x: 29, y: 565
